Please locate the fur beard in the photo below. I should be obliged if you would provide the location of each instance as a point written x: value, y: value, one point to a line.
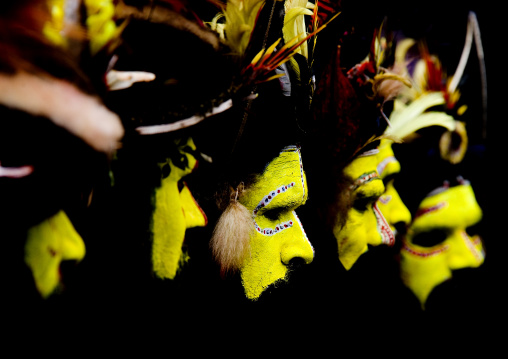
x: 230, y: 241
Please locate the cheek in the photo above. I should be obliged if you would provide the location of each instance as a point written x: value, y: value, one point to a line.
x: 422, y: 271
x: 264, y: 265
x: 360, y: 226
x: 351, y: 239
x: 272, y: 234
x: 265, y: 249
x: 465, y: 251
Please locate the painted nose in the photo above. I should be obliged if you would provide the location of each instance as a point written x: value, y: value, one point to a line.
x: 399, y: 212
x: 72, y: 246
x: 297, y: 248
x: 373, y: 236
x: 394, y: 210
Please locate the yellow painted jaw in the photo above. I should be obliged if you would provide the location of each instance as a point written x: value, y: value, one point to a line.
x: 277, y: 234
x: 448, y: 213
x: 48, y: 244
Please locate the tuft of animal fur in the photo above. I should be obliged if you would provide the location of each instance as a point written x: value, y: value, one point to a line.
x: 230, y: 241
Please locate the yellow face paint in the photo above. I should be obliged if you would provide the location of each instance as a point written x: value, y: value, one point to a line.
x: 278, y: 236
x: 48, y: 244
x: 390, y: 203
x: 365, y: 224
x: 437, y: 241
x: 174, y: 212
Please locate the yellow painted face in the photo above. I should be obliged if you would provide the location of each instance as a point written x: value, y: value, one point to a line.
x: 48, y: 244
x: 365, y: 224
x: 175, y: 211
x: 278, y: 236
x: 390, y: 203
x: 437, y: 241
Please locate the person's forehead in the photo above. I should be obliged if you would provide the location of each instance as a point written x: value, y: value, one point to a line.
x: 282, y: 183
x: 366, y: 179
x: 373, y: 188
x: 453, y: 208
x: 387, y: 164
x: 361, y: 166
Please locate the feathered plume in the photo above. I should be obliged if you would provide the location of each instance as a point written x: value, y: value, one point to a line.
x: 379, y: 81
x: 294, y: 22
x: 266, y: 61
x: 407, y: 119
x: 431, y: 89
x: 410, y: 112
x: 240, y: 19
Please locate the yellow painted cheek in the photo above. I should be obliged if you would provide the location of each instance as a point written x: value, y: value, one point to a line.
x: 263, y: 267
x: 464, y: 251
x: 422, y: 273
x: 269, y: 257
x: 352, y: 239
x: 361, y: 227
x: 48, y: 243
x: 168, y: 227
x: 174, y: 212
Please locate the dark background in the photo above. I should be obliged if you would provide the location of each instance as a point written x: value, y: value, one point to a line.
x: 363, y: 311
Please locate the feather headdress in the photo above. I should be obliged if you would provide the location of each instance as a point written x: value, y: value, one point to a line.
x: 45, y: 80
x: 239, y: 21
x: 433, y: 97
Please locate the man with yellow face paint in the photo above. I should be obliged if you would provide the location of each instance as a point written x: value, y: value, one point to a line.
x: 420, y: 112
x: 365, y: 224
x: 259, y: 234
x: 175, y: 211
x: 160, y: 97
x: 439, y: 239
x: 154, y: 206
x: 277, y: 235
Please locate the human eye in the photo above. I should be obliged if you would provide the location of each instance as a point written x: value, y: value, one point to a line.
x: 275, y: 214
x: 363, y: 203
x: 431, y: 238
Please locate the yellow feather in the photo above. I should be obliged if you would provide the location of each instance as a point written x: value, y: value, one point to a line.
x: 240, y: 18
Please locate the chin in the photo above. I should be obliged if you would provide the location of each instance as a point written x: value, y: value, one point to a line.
x: 287, y: 291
